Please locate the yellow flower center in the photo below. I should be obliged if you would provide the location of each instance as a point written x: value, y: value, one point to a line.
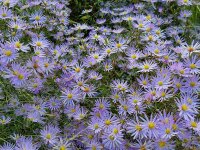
x: 111, y: 137
x: 140, y: 25
x: 69, y: 96
x: 78, y: 69
x: 46, y: 65
x: 144, y: 82
x: 62, y: 147
x: 108, y: 122
x: 21, y: 76
x: 3, y: 14
x: 151, y: 125
x: 125, y: 107
x: 192, y: 84
x: 18, y: 44
x: 96, y: 126
x: 48, y: 136
x: 167, y: 131
x: 8, y: 52
x: 146, y: 66
x: 162, y: 144
x: 118, y: 45
x: 138, y: 127
x: 39, y: 44
x: 101, y: 106
x: 178, y: 85
x: 192, y: 66
x: 156, y: 51
x: 160, y: 83
x: 37, y: 18
x: 150, y: 37
x: 184, y: 107
x: 193, y: 124
x: 133, y: 56
x: 108, y: 51
x: 115, y: 131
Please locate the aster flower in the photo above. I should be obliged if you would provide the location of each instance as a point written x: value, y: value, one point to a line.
x: 5, y: 13
x: 163, y: 144
x: 80, y: 114
x: 38, y: 18
x: 7, y: 146
x: 54, y: 104
x: 40, y: 43
x: 112, y: 141
x: 143, y: 144
x: 49, y: 134
x: 94, y: 145
x: 4, y: 120
x: 70, y: 96
x: 125, y: 107
x: 8, y: 53
x: 192, y: 83
x: 147, y: 66
x: 187, y: 111
x: 161, y: 83
x: 101, y: 105
x: 193, y: 64
x: 96, y: 125
x: 121, y: 45
x: 19, y: 46
x: 120, y: 85
x: 150, y: 126
x: 135, y: 128
x: 88, y: 90
x: 18, y: 75
x: 25, y: 143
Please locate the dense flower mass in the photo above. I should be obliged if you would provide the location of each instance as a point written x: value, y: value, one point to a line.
x: 125, y: 77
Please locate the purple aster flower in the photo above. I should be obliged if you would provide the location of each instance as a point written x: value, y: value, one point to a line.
x: 5, y: 13
x: 96, y: 125
x: 95, y: 75
x: 150, y: 126
x: 70, y: 96
x: 161, y: 83
x: 135, y: 128
x: 40, y: 42
x: 101, y: 105
x: 143, y: 81
x: 18, y: 75
x: 38, y: 18
x: 125, y: 108
x: 163, y: 144
x: 50, y: 134
x: 192, y: 84
x: 4, y: 120
x: 143, y: 144
x: 7, y: 146
x: 35, y: 85
x: 187, y: 111
x: 147, y: 66
x: 62, y: 144
x: 25, y: 143
x: 93, y: 145
x: 120, y: 85
x: 112, y: 141
x: 80, y: 114
x: 193, y: 64
x: 177, y: 83
x: 54, y: 104
x: 88, y: 90
x: 19, y: 46
x: 121, y: 45
x: 17, y: 25
x: 8, y: 53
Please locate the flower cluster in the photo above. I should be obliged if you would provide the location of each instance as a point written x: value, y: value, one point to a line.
x: 127, y: 80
